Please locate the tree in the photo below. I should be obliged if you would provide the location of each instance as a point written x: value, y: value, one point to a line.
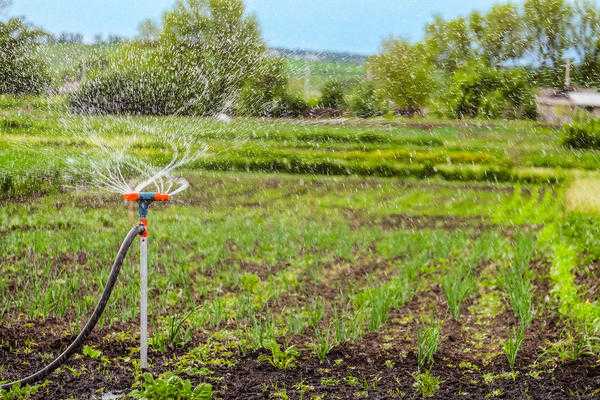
x: 403, y: 74
x: 585, y: 30
x: 115, y: 39
x: 499, y: 34
x: 211, y: 46
x: 69, y: 38
x: 148, y: 31
x: 363, y: 100
x: 265, y: 92
x: 206, y: 54
x: 585, y: 35
x: 449, y: 43
x: 21, y: 70
x: 548, y: 23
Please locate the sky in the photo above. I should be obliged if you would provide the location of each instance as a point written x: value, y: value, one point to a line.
x: 356, y: 26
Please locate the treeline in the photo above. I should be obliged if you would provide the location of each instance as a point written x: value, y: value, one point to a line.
x: 481, y: 65
x: 488, y: 64
x: 207, y: 57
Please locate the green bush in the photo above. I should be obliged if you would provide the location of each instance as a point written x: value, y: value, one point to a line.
x: 333, y: 95
x: 477, y: 90
x: 125, y: 91
x: 263, y: 92
x: 363, y: 101
x: 582, y: 134
x: 21, y: 70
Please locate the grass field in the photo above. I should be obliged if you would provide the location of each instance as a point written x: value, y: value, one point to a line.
x: 310, y: 260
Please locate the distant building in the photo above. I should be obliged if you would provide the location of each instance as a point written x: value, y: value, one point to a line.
x: 560, y: 106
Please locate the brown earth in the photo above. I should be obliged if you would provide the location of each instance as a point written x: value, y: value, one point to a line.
x: 381, y: 365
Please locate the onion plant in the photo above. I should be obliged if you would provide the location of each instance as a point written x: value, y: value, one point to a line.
x: 428, y: 341
x: 512, y: 345
x: 516, y: 279
x: 458, y: 284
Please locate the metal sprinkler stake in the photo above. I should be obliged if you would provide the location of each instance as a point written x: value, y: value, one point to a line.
x: 144, y: 199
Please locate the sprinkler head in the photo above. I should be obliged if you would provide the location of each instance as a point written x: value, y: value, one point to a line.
x: 144, y: 199
x: 147, y: 196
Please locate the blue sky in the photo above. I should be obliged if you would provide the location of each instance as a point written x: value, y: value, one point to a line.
x: 342, y: 25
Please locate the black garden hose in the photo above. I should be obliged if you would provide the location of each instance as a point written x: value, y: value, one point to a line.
x: 92, y: 321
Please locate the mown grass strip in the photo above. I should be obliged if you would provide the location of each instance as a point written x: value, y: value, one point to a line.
x: 297, y: 165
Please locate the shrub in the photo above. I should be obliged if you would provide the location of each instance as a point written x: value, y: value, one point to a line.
x: 363, y: 101
x: 477, y: 90
x: 264, y: 93
x: 582, y: 134
x: 21, y: 70
x: 133, y: 90
x: 289, y: 105
x: 333, y: 95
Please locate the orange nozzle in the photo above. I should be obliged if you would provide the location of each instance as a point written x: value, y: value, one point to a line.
x: 146, y: 196
x: 162, y: 197
x: 131, y: 196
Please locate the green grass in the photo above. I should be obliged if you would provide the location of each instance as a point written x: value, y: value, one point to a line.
x: 38, y: 136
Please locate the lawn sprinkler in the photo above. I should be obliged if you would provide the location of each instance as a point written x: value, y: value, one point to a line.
x: 143, y: 200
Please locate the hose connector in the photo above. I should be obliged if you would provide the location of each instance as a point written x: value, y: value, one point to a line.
x: 144, y: 199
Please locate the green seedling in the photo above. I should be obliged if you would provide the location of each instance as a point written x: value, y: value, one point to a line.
x: 512, y: 345
x: 428, y: 341
x: 458, y: 284
x: 280, y: 359
x: 175, y: 332
x: 18, y: 392
x: 323, y: 345
x: 91, y: 352
x: 261, y: 333
x: 426, y: 384
x: 171, y: 387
